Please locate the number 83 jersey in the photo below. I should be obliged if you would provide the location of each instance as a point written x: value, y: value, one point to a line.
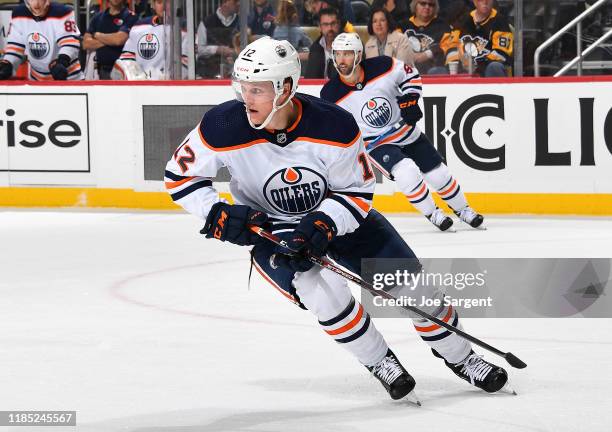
x: 41, y: 40
x: 318, y: 163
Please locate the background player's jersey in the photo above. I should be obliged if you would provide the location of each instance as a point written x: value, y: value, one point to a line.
x: 372, y: 100
x: 318, y: 163
x: 41, y: 40
x: 146, y: 46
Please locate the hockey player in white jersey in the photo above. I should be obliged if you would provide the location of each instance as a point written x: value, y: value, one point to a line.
x: 46, y: 33
x: 382, y: 93
x: 299, y: 169
x: 145, y: 49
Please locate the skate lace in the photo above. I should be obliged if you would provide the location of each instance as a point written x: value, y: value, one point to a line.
x: 388, y: 370
x: 437, y: 217
x: 467, y: 215
x: 475, y: 368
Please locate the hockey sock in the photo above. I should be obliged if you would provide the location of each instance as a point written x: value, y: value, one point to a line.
x: 447, y: 187
x: 355, y: 331
x: 329, y: 298
x: 450, y: 346
x: 410, y: 181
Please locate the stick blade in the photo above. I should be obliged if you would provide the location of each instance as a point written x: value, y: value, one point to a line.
x: 514, y: 361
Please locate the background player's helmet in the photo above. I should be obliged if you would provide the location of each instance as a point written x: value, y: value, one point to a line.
x: 40, y: 11
x: 264, y: 60
x: 348, y: 42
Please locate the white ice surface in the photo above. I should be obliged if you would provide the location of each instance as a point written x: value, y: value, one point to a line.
x: 140, y: 324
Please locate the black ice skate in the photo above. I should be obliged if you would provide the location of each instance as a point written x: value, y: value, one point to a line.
x: 470, y: 217
x: 478, y: 372
x: 394, y: 378
x: 439, y: 219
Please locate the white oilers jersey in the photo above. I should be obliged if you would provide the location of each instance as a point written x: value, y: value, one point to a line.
x: 41, y: 40
x: 146, y: 46
x: 319, y: 163
x: 373, y: 100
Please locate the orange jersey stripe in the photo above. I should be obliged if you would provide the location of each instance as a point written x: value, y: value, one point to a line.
x: 170, y: 185
x: 74, y: 67
x: 384, y: 74
x: 263, y: 141
x: 331, y: 143
x: 403, y: 130
x: 39, y: 76
x: 360, y: 203
x: 436, y: 326
x: 68, y: 41
x: 299, y: 117
x: 47, y: 18
x: 348, y: 326
x: 18, y: 50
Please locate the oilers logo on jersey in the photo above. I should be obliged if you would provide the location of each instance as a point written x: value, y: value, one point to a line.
x: 295, y: 190
x: 376, y: 112
x: 38, y: 45
x: 148, y: 46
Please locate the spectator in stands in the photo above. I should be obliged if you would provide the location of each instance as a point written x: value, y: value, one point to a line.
x: 486, y: 40
x: 107, y: 33
x: 433, y: 41
x: 215, y: 35
x: 46, y: 34
x: 320, y: 63
x: 398, y: 9
x: 288, y: 28
x: 386, y: 38
x: 261, y: 19
x: 312, y: 10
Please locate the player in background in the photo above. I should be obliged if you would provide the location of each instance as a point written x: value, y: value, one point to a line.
x: 143, y: 55
x: 46, y: 33
x: 300, y: 170
x: 382, y: 93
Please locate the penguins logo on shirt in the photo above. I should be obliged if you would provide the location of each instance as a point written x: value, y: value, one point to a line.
x: 38, y: 45
x: 376, y: 112
x: 475, y: 46
x: 148, y: 46
x: 418, y: 41
x: 295, y: 190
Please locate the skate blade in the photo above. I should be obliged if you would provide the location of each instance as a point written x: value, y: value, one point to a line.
x: 413, y: 398
x: 507, y: 388
x: 449, y: 230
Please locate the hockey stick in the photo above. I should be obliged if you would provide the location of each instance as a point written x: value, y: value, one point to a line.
x: 397, y: 126
x: 326, y: 263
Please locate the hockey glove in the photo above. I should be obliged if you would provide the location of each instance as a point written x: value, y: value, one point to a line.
x: 6, y: 69
x: 409, y: 108
x: 311, y: 237
x: 59, y: 68
x: 230, y: 223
